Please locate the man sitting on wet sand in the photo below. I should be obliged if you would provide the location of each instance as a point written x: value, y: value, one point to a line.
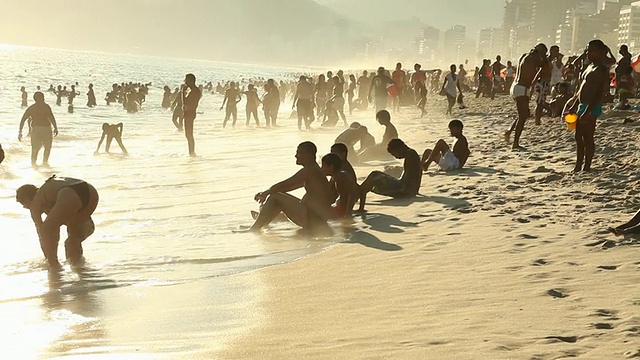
x: 443, y: 155
x: 406, y: 186
x: 313, y: 209
x: 344, y: 185
x: 390, y: 132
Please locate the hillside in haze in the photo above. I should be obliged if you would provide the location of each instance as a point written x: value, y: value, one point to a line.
x: 475, y: 14
x: 266, y: 31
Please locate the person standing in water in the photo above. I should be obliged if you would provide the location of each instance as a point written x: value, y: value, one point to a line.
x: 253, y: 100
x: 303, y: 103
x: 42, y: 119
x: 65, y: 201
x: 177, y: 116
x: 595, y: 83
x: 111, y: 132
x: 528, y: 70
x: 190, y: 99
x: 231, y: 99
x: 91, y: 97
x: 25, y: 96
x: 166, y: 97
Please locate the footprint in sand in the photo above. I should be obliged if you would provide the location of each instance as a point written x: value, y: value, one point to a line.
x: 528, y: 237
x: 567, y: 339
x: 608, y: 267
x: 606, y: 313
x: 603, y: 326
x: 558, y: 294
x: 632, y: 354
x: 540, y: 262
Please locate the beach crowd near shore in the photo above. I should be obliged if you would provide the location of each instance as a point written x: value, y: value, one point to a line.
x: 569, y: 96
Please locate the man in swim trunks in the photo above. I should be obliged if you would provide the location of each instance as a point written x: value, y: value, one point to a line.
x: 42, y: 119
x: 498, y: 82
x: 302, y: 101
x: 191, y: 95
x: 313, y: 209
x: 443, y: 155
x: 595, y: 82
x: 111, y: 132
x: 528, y: 70
x: 399, y: 78
x: 65, y: 201
x: 418, y: 81
x: 406, y: 186
x: 342, y: 184
x: 177, y: 116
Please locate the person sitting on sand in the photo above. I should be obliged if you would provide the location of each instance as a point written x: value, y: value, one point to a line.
x: 390, y: 132
x: 630, y: 228
x: 330, y: 117
x: 111, y: 132
x: 343, y: 184
x: 367, y: 141
x: 443, y: 155
x: 342, y: 151
x: 350, y: 136
x: 66, y: 201
x: 406, y: 186
x: 313, y: 209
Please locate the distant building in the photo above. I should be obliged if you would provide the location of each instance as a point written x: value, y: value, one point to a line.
x: 428, y: 42
x: 490, y: 43
x: 454, y: 42
x: 629, y: 26
x: 516, y: 25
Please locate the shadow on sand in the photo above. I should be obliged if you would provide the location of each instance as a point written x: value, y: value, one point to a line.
x: 371, y: 241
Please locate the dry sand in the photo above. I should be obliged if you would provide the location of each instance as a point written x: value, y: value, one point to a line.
x: 506, y: 259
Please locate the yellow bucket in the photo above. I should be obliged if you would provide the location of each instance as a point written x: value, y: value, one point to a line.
x: 571, y: 120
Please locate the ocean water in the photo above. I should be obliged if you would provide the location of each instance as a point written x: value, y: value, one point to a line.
x: 159, y: 272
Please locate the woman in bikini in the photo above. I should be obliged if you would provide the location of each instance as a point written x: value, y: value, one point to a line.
x: 65, y: 201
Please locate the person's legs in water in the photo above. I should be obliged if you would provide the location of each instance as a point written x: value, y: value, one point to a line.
x: 119, y: 141
x: 48, y: 143
x: 234, y: 113
x: 291, y: 206
x: 176, y: 118
x: 188, y: 132
x: 108, y: 143
x: 36, y: 144
x: 77, y: 233
x: 522, y: 104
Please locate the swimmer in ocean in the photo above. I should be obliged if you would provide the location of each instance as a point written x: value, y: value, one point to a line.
x: 65, y: 201
x: 111, y: 132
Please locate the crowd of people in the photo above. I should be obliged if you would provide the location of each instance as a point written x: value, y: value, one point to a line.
x: 578, y: 87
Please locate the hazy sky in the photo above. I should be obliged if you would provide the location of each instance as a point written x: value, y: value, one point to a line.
x: 474, y: 14
x: 266, y: 31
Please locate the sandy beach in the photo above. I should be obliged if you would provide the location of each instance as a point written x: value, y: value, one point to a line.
x: 506, y: 259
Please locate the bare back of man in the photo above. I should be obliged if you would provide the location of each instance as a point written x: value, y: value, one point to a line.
x: 528, y: 70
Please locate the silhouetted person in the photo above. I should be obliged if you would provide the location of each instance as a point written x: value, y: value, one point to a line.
x: 42, y: 119
x: 303, y: 103
x: 66, y: 201
x: 166, y: 98
x: 177, y: 115
x: 253, y: 100
x: 231, y: 99
x: 91, y: 97
x: 111, y: 132
x: 190, y: 98
x: 25, y: 96
x: 379, y: 88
